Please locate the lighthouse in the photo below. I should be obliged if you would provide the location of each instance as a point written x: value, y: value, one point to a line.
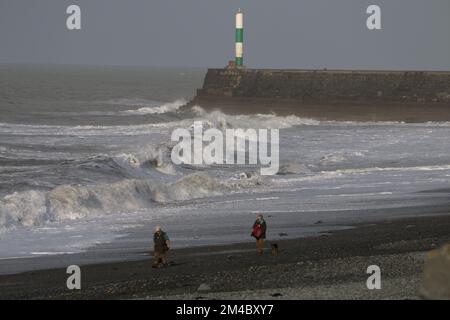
x: 239, y: 59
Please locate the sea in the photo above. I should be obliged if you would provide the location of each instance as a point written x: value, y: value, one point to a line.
x: 85, y: 163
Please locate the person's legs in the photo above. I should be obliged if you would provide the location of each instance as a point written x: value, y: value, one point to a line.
x: 260, y: 245
x: 164, y: 258
x: 157, y: 258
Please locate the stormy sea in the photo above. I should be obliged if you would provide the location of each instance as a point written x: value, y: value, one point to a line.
x: 85, y: 164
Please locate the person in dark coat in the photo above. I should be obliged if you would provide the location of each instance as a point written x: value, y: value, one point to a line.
x: 259, y: 232
x: 161, y: 246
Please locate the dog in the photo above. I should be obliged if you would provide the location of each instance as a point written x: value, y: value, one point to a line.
x: 274, y: 249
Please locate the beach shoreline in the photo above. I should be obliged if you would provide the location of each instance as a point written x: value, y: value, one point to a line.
x: 328, y: 266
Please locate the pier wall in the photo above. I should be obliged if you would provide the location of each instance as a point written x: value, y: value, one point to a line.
x: 328, y: 86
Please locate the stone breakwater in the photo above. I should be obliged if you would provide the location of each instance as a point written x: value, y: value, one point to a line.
x: 330, y: 94
x: 329, y: 86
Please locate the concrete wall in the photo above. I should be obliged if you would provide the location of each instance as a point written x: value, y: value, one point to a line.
x: 328, y: 86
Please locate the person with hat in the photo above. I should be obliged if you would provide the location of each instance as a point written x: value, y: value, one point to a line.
x: 161, y: 246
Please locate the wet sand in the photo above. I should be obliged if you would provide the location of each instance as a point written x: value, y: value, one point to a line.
x: 329, y: 266
x: 338, y: 111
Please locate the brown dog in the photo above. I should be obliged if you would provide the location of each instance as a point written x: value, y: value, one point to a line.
x: 274, y: 249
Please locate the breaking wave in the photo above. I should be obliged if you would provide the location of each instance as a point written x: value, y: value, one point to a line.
x: 164, y: 108
x: 68, y: 202
x: 138, y: 163
x: 264, y: 121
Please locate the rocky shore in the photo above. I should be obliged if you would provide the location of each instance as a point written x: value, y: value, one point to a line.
x: 330, y: 266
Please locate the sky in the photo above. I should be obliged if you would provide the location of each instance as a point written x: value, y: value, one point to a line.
x: 309, y: 34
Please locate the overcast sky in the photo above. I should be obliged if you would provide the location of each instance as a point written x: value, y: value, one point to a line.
x: 200, y: 33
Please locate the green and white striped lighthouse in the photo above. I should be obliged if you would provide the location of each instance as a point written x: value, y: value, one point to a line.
x: 239, y: 38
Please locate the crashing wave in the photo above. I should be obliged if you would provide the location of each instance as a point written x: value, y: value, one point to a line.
x: 147, y: 158
x: 26, y: 208
x: 263, y: 121
x: 68, y: 202
x: 164, y: 108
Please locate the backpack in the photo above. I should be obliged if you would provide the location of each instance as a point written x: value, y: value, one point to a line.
x: 257, y: 231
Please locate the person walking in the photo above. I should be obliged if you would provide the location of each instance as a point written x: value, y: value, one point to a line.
x: 259, y: 232
x: 161, y: 243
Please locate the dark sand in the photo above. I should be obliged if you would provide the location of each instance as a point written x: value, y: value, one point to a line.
x: 329, y: 266
x: 339, y: 111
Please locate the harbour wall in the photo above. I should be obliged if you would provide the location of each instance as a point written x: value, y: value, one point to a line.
x: 329, y: 94
x: 329, y: 86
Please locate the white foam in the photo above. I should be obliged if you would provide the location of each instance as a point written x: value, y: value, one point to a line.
x: 131, y: 102
x: 149, y: 157
x: 341, y: 172
x: 412, y: 168
x: 50, y: 253
x: 90, y: 130
x: 263, y: 121
x: 274, y: 121
x: 26, y: 208
x: 356, y: 195
x: 70, y: 202
x: 164, y: 108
